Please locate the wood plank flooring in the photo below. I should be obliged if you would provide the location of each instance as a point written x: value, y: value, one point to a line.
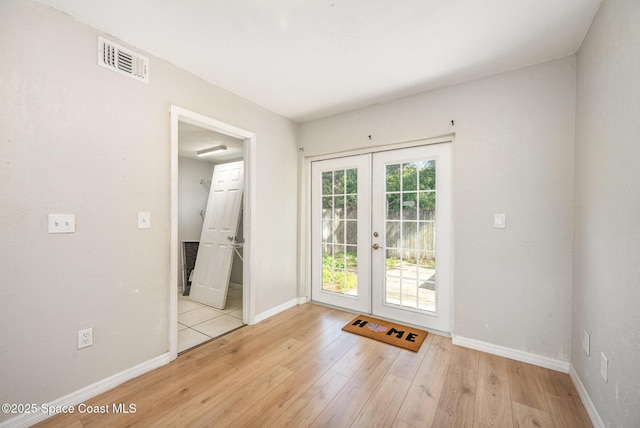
x: 298, y: 369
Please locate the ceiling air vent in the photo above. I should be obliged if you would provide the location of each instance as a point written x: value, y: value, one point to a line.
x: 122, y: 60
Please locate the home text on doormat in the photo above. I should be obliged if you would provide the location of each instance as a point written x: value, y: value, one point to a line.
x: 388, y: 332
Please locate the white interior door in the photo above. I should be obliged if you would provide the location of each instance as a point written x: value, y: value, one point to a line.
x: 411, y: 214
x: 340, y: 260
x: 215, y: 252
x: 380, y: 232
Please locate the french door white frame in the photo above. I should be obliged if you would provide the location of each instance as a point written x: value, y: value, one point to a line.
x: 179, y: 114
x: 362, y: 301
x: 306, y: 263
x: 440, y: 319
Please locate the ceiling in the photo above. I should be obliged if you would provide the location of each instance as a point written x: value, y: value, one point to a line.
x: 192, y: 138
x: 307, y: 59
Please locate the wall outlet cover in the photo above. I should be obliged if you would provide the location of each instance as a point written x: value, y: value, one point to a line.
x: 85, y: 338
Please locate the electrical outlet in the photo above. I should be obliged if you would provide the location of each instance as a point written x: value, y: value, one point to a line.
x: 585, y: 343
x: 604, y: 367
x: 85, y: 338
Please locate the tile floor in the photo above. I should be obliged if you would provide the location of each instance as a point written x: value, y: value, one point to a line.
x: 198, y: 323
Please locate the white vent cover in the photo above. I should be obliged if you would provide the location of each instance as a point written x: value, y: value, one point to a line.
x: 122, y: 60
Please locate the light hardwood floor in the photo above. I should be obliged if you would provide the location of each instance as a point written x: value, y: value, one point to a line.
x: 299, y: 369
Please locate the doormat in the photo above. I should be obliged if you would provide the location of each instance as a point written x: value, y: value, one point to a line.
x: 388, y: 332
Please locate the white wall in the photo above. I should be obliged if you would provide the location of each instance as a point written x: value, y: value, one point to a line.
x: 607, y: 221
x: 513, y: 153
x: 76, y: 138
x: 192, y: 198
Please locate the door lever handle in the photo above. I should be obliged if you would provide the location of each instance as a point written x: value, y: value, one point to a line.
x: 230, y: 238
x: 376, y: 246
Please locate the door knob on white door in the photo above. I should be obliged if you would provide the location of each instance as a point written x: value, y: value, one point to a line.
x: 375, y: 246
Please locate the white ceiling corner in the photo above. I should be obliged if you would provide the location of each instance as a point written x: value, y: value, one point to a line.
x: 306, y: 59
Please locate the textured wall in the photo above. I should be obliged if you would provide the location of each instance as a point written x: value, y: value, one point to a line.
x: 77, y: 138
x: 513, y: 153
x: 607, y: 227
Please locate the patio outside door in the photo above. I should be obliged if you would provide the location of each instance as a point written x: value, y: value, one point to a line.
x: 381, y: 234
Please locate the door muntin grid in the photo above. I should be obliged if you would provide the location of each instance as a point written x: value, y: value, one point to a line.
x: 410, y: 223
x: 339, y: 231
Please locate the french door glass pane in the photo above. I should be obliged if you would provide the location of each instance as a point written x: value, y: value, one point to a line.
x: 352, y: 234
x: 409, y: 176
x: 427, y: 180
x: 410, y: 195
x: 339, y: 231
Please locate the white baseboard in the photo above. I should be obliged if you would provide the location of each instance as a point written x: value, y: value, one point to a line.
x: 596, y: 420
x: 77, y: 397
x: 514, y: 354
x: 274, y: 311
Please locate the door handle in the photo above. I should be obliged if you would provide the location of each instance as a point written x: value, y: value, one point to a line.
x: 376, y: 246
x: 230, y: 238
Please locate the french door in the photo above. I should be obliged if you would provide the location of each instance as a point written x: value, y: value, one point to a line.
x: 380, y: 233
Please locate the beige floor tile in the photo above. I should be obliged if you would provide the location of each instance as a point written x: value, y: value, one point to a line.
x: 198, y: 323
x: 218, y: 326
x: 236, y: 314
x: 188, y: 338
x: 185, y: 305
x: 197, y: 316
x: 232, y: 306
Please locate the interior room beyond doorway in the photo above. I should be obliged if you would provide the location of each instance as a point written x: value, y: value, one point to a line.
x: 198, y: 322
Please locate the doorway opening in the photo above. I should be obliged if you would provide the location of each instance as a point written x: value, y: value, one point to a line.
x: 194, y: 319
x: 199, y: 318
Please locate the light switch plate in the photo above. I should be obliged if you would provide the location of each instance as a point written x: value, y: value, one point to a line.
x: 604, y: 367
x: 585, y: 343
x: 500, y: 220
x: 144, y: 220
x: 62, y: 223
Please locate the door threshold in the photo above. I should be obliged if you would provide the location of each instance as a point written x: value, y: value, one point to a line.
x: 338, y: 308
